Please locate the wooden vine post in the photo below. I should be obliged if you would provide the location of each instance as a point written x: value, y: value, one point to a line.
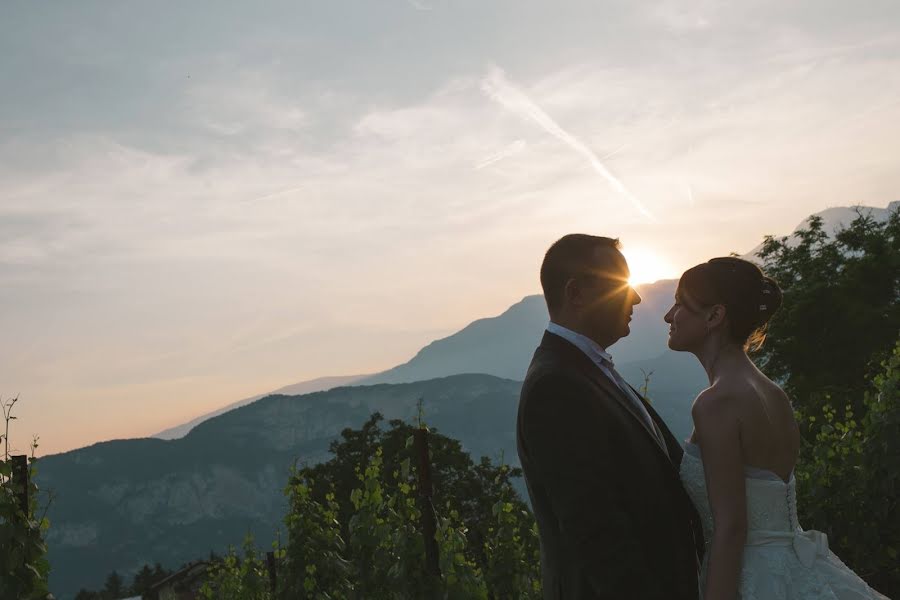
x: 429, y: 523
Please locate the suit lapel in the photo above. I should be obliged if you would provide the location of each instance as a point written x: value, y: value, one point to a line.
x: 557, y: 344
x: 675, y: 449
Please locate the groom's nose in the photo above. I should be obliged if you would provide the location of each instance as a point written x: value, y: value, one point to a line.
x: 635, y: 297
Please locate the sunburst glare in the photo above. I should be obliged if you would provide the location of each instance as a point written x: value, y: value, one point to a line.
x: 647, y: 267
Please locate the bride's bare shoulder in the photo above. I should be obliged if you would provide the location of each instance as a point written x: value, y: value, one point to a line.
x: 715, y: 402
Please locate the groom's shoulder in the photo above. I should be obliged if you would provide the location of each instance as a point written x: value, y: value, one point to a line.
x: 548, y: 371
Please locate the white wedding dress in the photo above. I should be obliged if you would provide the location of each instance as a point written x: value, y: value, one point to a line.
x: 781, y: 560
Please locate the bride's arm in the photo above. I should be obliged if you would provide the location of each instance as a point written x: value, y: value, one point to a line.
x: 718, y: 432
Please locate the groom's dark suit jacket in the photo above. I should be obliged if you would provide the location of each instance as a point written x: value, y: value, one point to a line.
x: 613, y: 518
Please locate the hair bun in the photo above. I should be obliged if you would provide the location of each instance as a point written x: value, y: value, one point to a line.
x: 750, y: 297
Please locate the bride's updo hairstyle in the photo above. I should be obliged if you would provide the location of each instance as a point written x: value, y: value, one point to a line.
x: 750, y: 297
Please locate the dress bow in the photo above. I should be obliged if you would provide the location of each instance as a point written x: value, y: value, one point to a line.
x: 810, y: 544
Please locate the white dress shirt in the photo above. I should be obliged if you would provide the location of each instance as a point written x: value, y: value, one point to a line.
x: 603, y: 360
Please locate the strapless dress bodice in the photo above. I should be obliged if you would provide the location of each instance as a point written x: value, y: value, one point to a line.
x: 771, y: 503
x: 781, y: 560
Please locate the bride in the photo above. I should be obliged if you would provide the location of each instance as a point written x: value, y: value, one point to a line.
x: 738, y: 465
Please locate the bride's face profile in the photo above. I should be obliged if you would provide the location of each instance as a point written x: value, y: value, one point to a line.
x: 688, y: 326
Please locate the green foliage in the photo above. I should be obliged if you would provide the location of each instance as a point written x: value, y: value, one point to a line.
x: 383, y: 537
x: 23, y: 564
x: 461, y: 577
x: 314, y: 568
x: 238, y: 578
x: 512, y: 567
x: 470, y: 488
x: 849, y: 480
x: 881, y: 463
x: 377, y: 495
x: 841, y: 313
x: 833, y: 346
x: 370, y: 482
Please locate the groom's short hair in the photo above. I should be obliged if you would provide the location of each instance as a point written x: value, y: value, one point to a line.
x: 569, y: 256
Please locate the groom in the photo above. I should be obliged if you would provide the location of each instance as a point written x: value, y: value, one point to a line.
x: 600, y: 465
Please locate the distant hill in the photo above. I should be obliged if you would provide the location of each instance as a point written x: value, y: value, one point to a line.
x: 503, y: 345
x: 500, y: 346
x: 304, y: 387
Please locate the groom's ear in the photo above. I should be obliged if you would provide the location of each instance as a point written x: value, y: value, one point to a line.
x: 573, y: 293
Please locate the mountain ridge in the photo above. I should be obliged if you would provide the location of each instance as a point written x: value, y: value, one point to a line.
x: 529, y: 314
x: 302, y: 387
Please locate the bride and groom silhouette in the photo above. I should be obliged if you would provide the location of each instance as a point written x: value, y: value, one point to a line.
x: 625, y: 510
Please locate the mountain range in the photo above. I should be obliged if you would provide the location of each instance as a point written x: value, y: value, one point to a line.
x: 502, y: 345
x: 208, y: 482
x: 304, y: 387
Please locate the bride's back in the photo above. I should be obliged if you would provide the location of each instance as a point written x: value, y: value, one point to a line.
x: 770, y: 438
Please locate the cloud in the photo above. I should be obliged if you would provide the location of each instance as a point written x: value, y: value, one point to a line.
x: 498, y: 88
x: 244, y: 103
x: 312, y: 172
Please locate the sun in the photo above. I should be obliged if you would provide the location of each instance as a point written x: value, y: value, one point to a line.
x: 647, y: 267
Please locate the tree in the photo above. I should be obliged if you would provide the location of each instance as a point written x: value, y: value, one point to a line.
x: 881, y: 464
x: 367, y: 495
x: 313, y: 561
x: 238, y: 577
x: 159, y: 573
x: 23, y: 563
x: 835, y: 347
x: 114, y: 587
x: 469, y: 488
x: 841, y: 310
x: 146, y: 577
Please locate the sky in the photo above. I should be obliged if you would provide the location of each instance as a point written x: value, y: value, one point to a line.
x: 204, y: 201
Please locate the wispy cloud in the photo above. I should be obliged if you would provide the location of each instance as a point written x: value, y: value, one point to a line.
x: 248, y: 102
x: 513, y: 148
x: 498, y: 88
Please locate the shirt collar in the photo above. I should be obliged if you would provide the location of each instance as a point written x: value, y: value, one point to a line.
x: 592, y: 349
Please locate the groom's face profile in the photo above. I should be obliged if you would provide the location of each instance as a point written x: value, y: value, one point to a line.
x: 610, y: 299
x: 585, y: 283
x: 601, y: 299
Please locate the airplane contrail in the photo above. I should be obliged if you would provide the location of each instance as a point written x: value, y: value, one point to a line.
x: 513, y: 148
x: 497, y: 87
